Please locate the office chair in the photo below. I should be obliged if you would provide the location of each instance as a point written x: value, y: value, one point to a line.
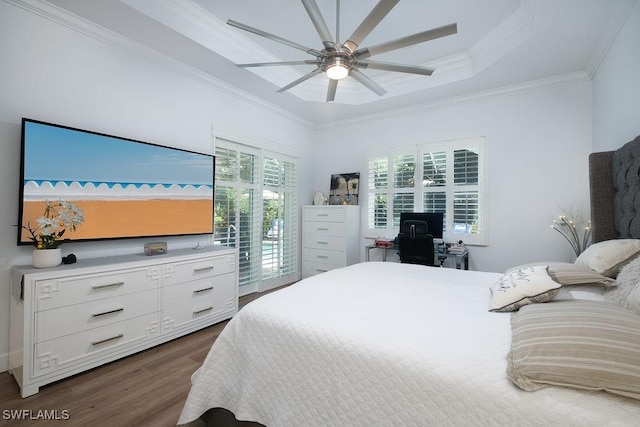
x: 415, y: 244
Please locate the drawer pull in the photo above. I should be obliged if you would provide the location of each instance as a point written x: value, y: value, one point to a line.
x: 197, y: 291
x: 203, y: 310
x: 117, y: 310
x: 322, y: 229
x: 108, y: 285
x: 322, y: 256
x: 323, y: 214
x: 202, y: 269
x: 322, y: 243
x: 107, y: 339
x: 319, y: 270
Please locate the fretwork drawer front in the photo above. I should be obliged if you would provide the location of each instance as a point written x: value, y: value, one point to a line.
x: 59, y: 353
x: 325, y: 256
x: 198, y: 299
x: 332, y: 243
x: 54, y: 293
x: 68, y: 320
x: 323, y: 214
x: 324, y: 228
x: 193, y: 270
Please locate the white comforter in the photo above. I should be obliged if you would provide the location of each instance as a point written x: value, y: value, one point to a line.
x: 382, y: 344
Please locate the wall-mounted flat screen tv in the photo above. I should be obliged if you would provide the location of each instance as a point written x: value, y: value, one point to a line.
x: 125, y: 188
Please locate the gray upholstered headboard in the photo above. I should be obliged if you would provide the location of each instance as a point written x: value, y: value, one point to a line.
x: 615, y: 192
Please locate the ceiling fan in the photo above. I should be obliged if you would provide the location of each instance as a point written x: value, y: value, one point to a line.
x: 347, y: 59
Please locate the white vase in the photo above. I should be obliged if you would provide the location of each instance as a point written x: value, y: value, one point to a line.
x: 46, y: 258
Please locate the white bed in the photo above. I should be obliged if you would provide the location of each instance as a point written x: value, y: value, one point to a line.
x: 382, y: 344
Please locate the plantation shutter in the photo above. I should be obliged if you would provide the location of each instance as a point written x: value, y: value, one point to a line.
x: 280, y: 231
x: 445, y: 177
x: 236, y: 207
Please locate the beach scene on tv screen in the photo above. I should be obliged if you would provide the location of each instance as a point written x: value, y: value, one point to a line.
x: 125, y: 188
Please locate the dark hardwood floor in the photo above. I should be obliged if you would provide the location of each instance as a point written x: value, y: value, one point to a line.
x: 146, y: 389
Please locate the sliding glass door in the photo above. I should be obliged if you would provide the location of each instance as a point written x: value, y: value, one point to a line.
x: 280, y: 213
x: 256, y: 211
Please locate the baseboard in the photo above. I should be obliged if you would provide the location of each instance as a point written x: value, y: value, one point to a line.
x: 4, y: 362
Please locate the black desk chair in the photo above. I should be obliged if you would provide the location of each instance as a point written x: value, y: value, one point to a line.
x: 415, y: 244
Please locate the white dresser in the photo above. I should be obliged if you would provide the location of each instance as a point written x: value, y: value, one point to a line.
x: 75, y: 317
x: 330, y: 238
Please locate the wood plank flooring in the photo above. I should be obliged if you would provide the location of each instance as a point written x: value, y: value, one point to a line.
x: 146, y: 389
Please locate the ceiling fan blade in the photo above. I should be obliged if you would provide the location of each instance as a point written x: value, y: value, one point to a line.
x: 331, y: 92
x: 273, y: 37
x: 268, y: 64
x: 300, y: 80
x: 389, y: 66
x: 366, y: 81
x: 321, y: 26
x: 424, y: 36
x: 370, y: 22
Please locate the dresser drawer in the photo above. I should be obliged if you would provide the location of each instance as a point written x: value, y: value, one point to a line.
x: 325, y: 256
x: 310, y: 268
x: 324, y: 214
x: 316, y: 241
x: 54, y: 293
x: 69, y: 350
x: 198, y: 299
x: 191, y: 270
x: 324, y: 228
x: 68, y: 320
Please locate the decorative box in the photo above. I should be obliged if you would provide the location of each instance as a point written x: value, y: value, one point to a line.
x: 155, y: 248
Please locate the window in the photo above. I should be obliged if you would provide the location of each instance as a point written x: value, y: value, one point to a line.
x: 443, y: 177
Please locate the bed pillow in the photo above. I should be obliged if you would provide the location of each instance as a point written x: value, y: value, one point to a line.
x: 608, y: 257
x: 538, y: 264
x: 579, y: 344
x: 581, y: 292
x: 520, y: 287
x: 627, y: 280
x: 575, y: 274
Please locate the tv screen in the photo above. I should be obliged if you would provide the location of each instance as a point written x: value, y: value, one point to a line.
x: 434, y: 220
x: 125, y: 188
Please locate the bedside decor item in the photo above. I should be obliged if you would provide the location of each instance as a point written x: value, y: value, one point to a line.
x: 575, y: 230
x: 319, y: 198
x: 344, y: 189
x: 58, y: 216
x: 155, y: 248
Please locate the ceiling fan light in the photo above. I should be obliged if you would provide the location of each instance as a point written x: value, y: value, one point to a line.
x: 337, y: 71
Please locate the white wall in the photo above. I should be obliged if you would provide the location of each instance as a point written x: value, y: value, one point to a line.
x: 538, y: 143
x: 616, y: 89
x: 50, y: 72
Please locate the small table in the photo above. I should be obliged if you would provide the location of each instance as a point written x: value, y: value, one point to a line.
x: 462, y: 260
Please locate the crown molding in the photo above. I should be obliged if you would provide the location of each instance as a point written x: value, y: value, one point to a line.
x: 616, y: 22
x: 190, y: 20
x: 89, y: 29
x: 511, y: 90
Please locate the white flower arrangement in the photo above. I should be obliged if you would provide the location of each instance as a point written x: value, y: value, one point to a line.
x: 58, y: 217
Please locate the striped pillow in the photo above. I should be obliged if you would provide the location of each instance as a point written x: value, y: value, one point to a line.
x: 589, y: 345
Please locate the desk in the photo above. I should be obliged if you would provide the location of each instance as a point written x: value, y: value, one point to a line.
x: 462, y: 260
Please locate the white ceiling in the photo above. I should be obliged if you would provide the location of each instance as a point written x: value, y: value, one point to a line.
x: 499, y: 43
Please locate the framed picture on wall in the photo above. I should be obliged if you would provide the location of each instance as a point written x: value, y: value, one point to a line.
x: 344, y: 188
